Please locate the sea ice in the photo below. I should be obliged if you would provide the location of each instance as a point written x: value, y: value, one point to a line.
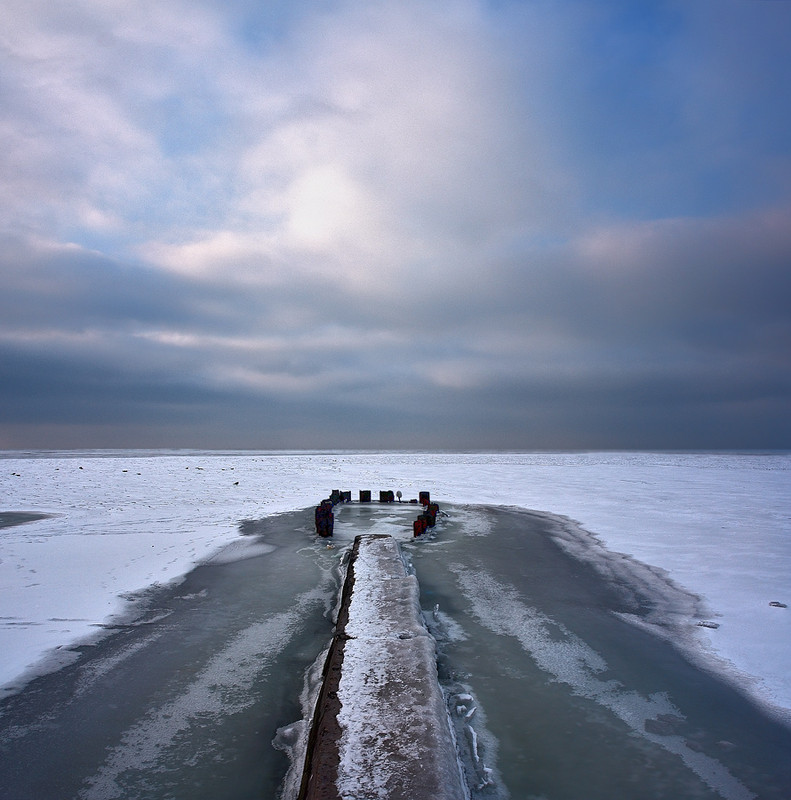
x: 719, y: 525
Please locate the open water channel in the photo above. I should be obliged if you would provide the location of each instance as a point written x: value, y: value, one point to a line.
x: 554, y: 692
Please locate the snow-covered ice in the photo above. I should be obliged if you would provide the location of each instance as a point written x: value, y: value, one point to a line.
x: 718, y: 524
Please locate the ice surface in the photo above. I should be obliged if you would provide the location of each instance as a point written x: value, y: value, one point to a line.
x: 570, y: 660
x: 718, y: 524
x: 221, y: 688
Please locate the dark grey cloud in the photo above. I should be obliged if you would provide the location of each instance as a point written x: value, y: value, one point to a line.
x: 654, y: 336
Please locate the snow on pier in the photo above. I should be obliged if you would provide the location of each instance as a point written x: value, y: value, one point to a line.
x: 381, y: 727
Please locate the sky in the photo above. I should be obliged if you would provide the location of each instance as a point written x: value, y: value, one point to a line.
x: 460, y: 224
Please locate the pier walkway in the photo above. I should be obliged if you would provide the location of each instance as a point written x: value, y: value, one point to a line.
x: 381, y: 728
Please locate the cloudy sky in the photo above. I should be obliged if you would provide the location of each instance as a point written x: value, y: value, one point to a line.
x: 519, y: 224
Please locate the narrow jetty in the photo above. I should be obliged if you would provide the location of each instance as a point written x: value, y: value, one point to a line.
x: 381, y: 728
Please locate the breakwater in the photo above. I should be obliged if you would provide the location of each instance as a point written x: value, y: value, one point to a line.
x: 380, y: 727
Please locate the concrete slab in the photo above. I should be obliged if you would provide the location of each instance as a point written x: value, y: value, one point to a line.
x: 381, y: 728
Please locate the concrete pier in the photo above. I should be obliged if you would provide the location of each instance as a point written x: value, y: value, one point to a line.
x: 380, y: 728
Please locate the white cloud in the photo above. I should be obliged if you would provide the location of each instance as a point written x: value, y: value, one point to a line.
x: 387, y: 144
x: 231, y: 256
x: 85, y: 129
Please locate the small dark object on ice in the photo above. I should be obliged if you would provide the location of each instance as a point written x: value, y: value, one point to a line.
x: 777, y: 604
x: 704, y: 624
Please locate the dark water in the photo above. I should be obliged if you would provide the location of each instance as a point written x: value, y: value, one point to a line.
x: 9, y: 519
x: 570, y: 700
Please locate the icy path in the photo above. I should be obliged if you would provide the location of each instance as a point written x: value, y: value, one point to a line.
x: 392, y: 739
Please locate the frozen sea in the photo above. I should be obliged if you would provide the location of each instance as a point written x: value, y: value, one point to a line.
x: 707, y: 537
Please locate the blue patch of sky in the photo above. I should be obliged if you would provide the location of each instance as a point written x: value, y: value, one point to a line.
x: 613, y: 105
x: 259, y: 25
x: 646, y: 73
x: 189, y: 124
x: 622, y: 95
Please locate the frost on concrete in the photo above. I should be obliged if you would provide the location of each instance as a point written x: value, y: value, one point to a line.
x: 395, y: 739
